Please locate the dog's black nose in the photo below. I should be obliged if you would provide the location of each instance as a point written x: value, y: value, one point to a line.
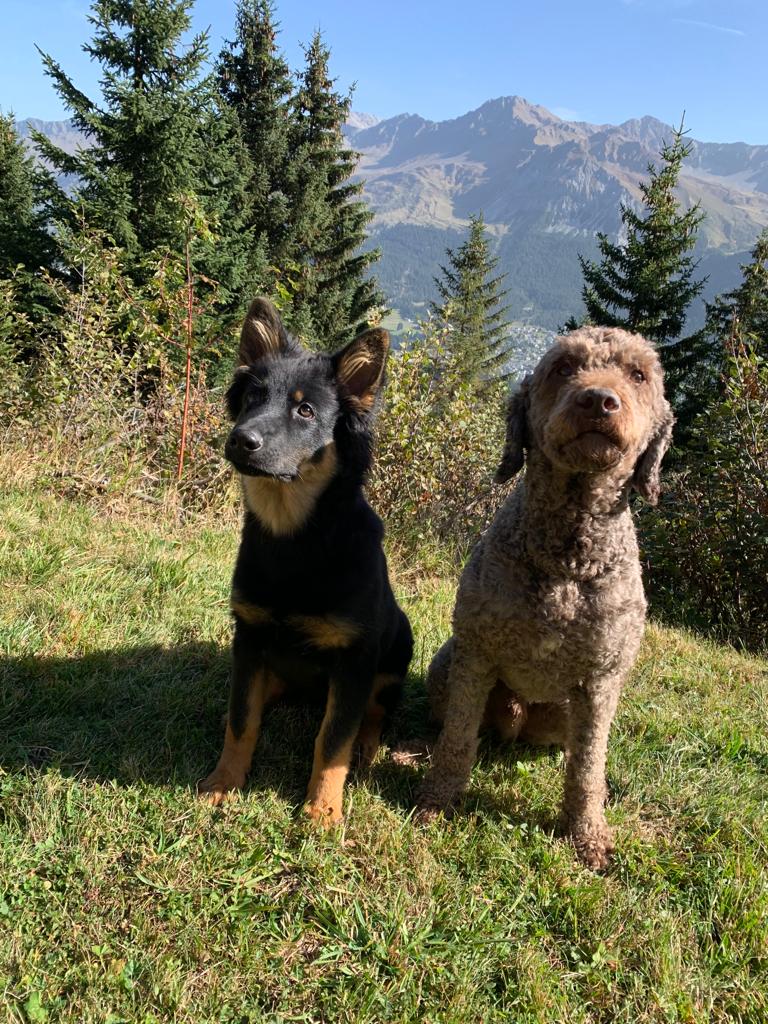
x: 244, y: 440
x: 599, y: 401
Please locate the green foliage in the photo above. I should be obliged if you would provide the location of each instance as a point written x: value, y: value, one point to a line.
x: 436, y: 449
x: 707, y: 543
x: 470, y: 309
x: 160, y: 133
x: 267, y: 165
x: 224, y: 252
x: 646, y: 283
x: 255, y: 83
x: 26, y: 246
x: 111, y: 383
x: 15, y: 341
x: 744, y: 311
x: 306, y: 216
x: 327, y: 281
x: 738, y: 317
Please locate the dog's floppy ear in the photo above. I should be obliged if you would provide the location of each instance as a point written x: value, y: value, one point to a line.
x: 513, y: 456
x: 263, y: 333
x: 359, y: 366
x: 646, y: 479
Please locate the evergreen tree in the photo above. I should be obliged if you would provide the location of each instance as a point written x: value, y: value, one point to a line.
x: 24, y: 237
x: 226, y: 255
x: 156, y: 136
x: 471, y: 307
x: 255, y: 82
x: 329, y: 288
x: 743, y: 312
x: 646, y: 284
x: 737, y: 320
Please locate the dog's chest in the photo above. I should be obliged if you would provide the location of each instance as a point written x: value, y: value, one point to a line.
x: 537, y: 643
x: 562, y: 634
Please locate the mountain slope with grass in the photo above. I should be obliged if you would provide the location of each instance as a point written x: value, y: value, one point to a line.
x: 124, y: 899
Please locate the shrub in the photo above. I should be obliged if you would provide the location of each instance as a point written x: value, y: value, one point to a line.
x: 109, y: 379
x: 15, y: 334
x: 438, y: 443
x: 111, y: 384
x: 707, y: 542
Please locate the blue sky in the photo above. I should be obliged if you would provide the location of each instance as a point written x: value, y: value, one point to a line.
x: 594, y: 60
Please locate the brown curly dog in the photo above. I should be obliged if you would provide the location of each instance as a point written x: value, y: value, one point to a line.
x: 550, y: 607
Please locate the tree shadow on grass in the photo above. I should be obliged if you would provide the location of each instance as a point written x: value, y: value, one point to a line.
x: 139, y: 714
x: 151, y: 714
x: 154, y: 715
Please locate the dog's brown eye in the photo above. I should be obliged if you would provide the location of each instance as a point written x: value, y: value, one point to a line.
x: 565, y: 370
x: 637, y: 376
x: 306, y: 411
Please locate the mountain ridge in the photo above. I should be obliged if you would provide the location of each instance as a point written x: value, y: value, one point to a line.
x: 545, y: 186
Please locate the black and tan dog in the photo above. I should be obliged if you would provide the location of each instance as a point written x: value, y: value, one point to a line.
x: 311, y: 597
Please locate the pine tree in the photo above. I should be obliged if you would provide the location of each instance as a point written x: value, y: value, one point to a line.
x: 646, y: 284
x: 155, y: 137
x: 743, y: 312
x: 255, y: 82
x: 226, y: 255
x: 330, y: 289
x: 471, y: 307
x: 25, y: 240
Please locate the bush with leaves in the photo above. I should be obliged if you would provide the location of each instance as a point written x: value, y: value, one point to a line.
x: 437, y: 446
x: 15, y: 338
x: 120, y: 363
x: 707, y: 542
x: 112, y: 386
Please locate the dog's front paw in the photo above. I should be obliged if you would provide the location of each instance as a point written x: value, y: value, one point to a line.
x: 326, y: 815
x: 219, y: 785
x: 426, y: 813
x: 594, y: 843
x: 436, y: 795
x: 433, y: 802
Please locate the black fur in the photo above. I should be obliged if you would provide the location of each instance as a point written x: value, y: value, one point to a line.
x: 332, y: 566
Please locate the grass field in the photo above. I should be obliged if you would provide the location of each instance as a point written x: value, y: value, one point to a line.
x: 124, y: 899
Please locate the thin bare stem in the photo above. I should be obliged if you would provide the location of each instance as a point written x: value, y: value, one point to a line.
x: 188, y: 375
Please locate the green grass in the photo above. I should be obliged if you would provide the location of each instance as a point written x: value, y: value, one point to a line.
x: 123, y: 899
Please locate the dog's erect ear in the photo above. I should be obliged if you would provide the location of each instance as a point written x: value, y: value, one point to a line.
x: 513, y: 456
x: 263, y: 333
x: 646, y: 479
x: 359, y: 367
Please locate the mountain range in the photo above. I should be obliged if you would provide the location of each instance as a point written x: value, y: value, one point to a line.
x: 544, y: 185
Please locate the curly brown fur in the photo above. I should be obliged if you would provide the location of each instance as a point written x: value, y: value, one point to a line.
x: 551, y: 602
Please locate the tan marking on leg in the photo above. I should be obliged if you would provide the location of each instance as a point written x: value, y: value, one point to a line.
x: 253, y: 614
x: 326, y: 631
x: 369, y: 736
x: 235, y: 761
x: 284, y: 506
x: 326, y: 785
